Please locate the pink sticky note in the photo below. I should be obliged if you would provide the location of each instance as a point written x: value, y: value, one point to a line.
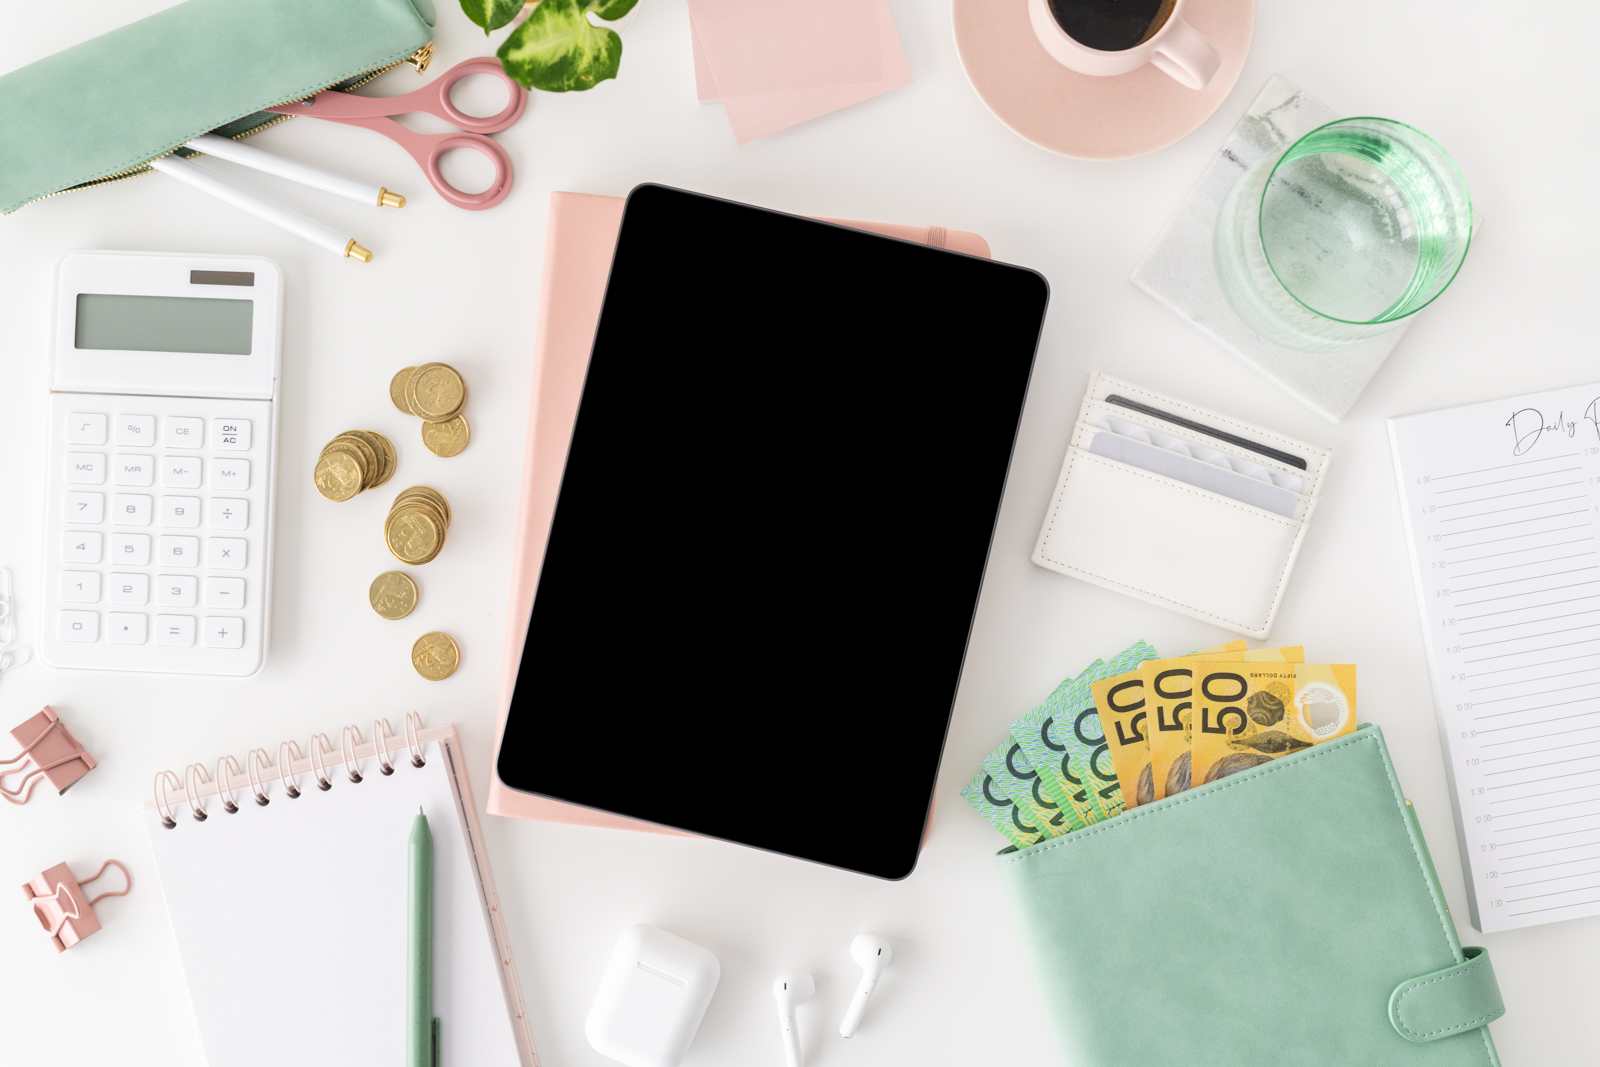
x: 778, y: 63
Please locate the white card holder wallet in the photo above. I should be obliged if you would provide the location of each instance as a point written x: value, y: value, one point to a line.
x: 1180, y: 506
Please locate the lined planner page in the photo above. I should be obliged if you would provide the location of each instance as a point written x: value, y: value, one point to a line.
x: 1502, y: 509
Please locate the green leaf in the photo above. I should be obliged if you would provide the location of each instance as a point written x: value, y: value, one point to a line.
x: 557, y: 50
x: 610, y: 10
x: 491, y: 14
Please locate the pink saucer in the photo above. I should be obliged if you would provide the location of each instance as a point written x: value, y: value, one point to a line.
x: 1085, y: 117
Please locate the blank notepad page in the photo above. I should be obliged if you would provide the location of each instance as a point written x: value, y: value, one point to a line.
x: 291, y: 920
x: 1502, y: 508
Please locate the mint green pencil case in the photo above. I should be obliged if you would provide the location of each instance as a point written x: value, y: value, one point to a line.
x: 100, y: 111
x: 1286, y: 916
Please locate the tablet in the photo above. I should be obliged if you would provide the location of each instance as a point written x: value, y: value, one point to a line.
x: 772, y: 529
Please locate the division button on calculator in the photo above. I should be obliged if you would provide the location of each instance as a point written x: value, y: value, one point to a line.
x: 125, y: 627
x: 230, y: 514
x: 136, y: 429
x: 81, y: 547
x: 130, y: 509
x: 226, y: 593
x: 228, y: 435
x: 176, y: 590
x: 181, y: 472
x: 79, y: 626
x: 80, y: 587
x: 86, y: 508
x: 180, y: 432
x: 180, y: 512
x: 86, y: 468
x: 230, y: 474
x: 179, y: 552
x: 224, y: 632
x: 225, y: 553
x: 130, y: 589
x: 135, y: 470
x: 130, y: 550
x: 175, y: 630
x: 84, y: 428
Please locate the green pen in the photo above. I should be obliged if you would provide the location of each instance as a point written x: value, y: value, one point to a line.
x: 422, y: 1029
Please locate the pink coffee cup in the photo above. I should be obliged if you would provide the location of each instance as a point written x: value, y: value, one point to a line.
x: 1175, y: 48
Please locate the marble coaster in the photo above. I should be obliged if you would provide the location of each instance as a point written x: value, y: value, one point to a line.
x: 1178, y: 271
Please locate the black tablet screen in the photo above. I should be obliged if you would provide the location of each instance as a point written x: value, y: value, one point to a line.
x: 772, y: 529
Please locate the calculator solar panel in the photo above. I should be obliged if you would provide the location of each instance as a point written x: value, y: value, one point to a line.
x: 772, y: 530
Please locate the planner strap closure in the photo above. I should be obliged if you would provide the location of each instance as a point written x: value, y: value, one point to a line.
x: 1451, y: 1001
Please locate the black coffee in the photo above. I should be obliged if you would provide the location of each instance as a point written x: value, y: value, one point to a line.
x: 1111, y: 25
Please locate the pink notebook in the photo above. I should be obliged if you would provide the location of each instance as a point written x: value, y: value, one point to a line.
x: 579, y: 238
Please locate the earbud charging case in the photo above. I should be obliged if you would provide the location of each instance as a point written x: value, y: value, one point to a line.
x: 654, y: 993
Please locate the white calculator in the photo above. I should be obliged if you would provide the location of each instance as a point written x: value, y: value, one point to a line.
x: 163, y: 436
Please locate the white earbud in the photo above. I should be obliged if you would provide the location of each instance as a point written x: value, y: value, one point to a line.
x: 872, y: 954
x: 791, y: 989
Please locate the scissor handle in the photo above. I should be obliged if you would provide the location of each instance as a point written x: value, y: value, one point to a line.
x: 443, y: 143
x: 433, y: 98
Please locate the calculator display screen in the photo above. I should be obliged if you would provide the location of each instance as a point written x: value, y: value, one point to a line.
x: 131, y: 323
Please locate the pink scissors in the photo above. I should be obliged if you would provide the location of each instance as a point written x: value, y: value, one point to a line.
x: 373, y: 112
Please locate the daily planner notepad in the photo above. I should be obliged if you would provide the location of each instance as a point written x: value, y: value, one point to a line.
x: 291, y: 916
x: 1502, y: 510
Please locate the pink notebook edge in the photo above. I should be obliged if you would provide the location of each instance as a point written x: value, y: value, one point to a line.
x: 580, y: 235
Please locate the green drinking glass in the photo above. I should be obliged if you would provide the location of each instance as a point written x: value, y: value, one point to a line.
x: 1342, y: 235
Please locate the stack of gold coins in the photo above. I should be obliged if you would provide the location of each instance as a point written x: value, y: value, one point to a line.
x: 435, y: 393
x: 353, y: 462
x: 415, y: 529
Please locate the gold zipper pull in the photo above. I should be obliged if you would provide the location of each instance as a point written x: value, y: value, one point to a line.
x: 421, y: 57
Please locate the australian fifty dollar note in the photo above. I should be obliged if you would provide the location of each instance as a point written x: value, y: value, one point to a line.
x: 1247, y: 714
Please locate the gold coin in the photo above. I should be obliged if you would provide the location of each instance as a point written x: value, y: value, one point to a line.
x: 436, y: 392
x: 425, y: 495
x: 392, y: 595
x: 414, y: 535
x: 369, y: 454
x: 435, y: 656
x: 397, y: 389
x: 387, y: 459
x: 338, y: 476
x: 447, y: 438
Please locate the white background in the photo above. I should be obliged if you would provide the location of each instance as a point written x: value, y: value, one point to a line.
x: 1498, y: 90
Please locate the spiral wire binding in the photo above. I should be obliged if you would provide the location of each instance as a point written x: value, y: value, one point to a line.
x: 223, y: 790
x: 257, y: 764
x: 250, y: 772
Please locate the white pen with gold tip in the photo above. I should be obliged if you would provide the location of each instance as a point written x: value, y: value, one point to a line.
x: 299, y: 225
x: 268, y: 163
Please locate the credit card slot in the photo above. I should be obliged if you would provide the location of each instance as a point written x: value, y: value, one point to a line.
x: 1207, y: 429
x: 1094, y: 411
x: 1193, y: 473
x: 1172, y: 544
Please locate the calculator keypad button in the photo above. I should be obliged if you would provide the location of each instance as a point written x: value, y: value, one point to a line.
x: 131, y: 589
x: 135, y: 470
x: 84, y: 428
x: 179, y: 552
x: 130, y: 550
x: 225, y: 553
x: 88, y: 509
x: 230, y: 514
x: 224, y: 632
x: 136, y: 430
x: 181, y: 472
x: 230, y: 435
x: 180, y: 432
x: 82, y: 547
x: 180, y: 512
x: 225, y: 593
x: 231, y: 474
x: 176, y: 590
x: 78, y: 626
x: 86, y: 468
x: 130, y: 509
x: 126, y: 627
x: 80, y: 587
x: 175, y: 630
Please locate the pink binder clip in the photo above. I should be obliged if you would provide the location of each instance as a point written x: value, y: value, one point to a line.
x: 55, y: 753
x: 63, y: 909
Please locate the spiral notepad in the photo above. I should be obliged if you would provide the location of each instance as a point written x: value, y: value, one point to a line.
x: 285, y: 880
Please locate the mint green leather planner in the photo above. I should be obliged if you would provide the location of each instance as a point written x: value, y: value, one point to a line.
x: 101, y: 110
x: 1287, y: 915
